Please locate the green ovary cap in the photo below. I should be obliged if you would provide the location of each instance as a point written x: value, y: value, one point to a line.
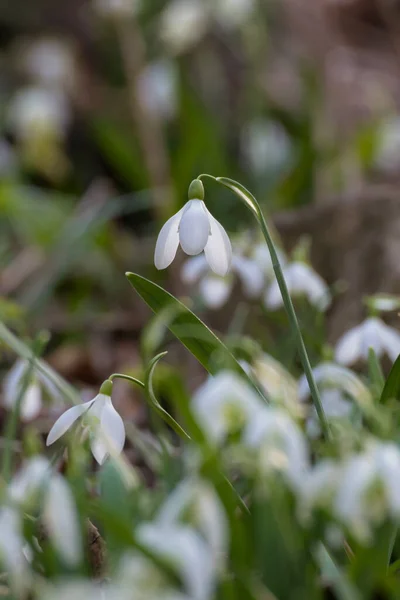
x: 196, y: 190
x: 106, y: 387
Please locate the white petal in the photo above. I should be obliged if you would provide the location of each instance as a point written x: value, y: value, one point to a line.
x: 167, y: 242
x: 194, y: 228
x: 391, y: 342
x: 61, y: 520
x: 215, y: 291
x: 66, y: 420
x: 348, y: 349
x: 111, y: 434
x: 218, y: 250
x: 12, y: 383
x: 302, y: 279
x: 251, y: 275
x: 194, y: 268
x: 32, y: 402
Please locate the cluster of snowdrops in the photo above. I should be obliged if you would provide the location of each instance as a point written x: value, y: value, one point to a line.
x: 265, y: 486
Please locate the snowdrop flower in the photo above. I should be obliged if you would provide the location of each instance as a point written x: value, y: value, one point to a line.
x: 215, y: 290
x: 139, y: 573
x: 61, y: 520
x: 37, y: 110
x: 186, y: 551
x: 32, y: 401
x: 373, y: 333
x: 301, y: 280
x: 383, y: 302
x: 50, y: 62
x: 318, y: 487
x: 276, y: 381
x: 279, y: 442
x: 262, y: 257
x: 183, y: 23
x: 12, y: 547
x: 266, y: 146
x: 336, y: 406
x: 195, y: 229
x: 117, y: 8
x: 232, y: 13
x: 224, y: 405
x: 29, y: 480
x: 107, y: 427
x: 195, y: 502
x: 157, y: 88
x: 369, y: 490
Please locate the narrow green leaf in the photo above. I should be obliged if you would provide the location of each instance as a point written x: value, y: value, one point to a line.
x: 391, y: 389
x: 189, y: 329
x: 344, y: 590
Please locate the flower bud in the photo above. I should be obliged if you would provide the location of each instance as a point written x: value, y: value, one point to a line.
x: 106, y: 387
x: 196, y: 190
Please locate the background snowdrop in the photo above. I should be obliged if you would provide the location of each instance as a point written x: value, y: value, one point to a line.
x: 224, y: 405
x: 373, y: 333
x: 183, y: 23
x: 157, y: 88
x: 214, y: 290
x: 301, y: 280
x: 50, y: 62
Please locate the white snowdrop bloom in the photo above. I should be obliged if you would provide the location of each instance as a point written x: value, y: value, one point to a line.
x: 32, y: 400
x: 37, y: 110
x: 279, y: 442
x: 186, y: 551
x: 336, y: 406
x: 276, y: 381
x: 262, y: 257
x: 183, y: 23
x: 266, y: 145
x: 387, y: 156
x: 301, y: 280
x: 215, y: 290
x: 106, y: 426
x: 61, y: 520
x: 328, y: 375
x: 11, y: 547
x: 384, y: 302
x: 373, y: 333
x: 369, y: 490
x: 29, y: 480
x: 318, y: 487
x: 157, y: 88
x: 117, y: 8
x: 195, y: 229
x: 50, y: 62
x: 232, y: 13
x: 224, y: 405
x: 195, y: 502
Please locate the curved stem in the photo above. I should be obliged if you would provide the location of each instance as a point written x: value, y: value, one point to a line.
x: 250, y: 201
x: 127, y: 377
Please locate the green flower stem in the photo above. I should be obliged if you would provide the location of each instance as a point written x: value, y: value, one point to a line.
x: 254, y: 206
x: 127, y: 377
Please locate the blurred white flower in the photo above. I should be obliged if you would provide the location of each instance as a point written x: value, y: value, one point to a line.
x: 387, y: 157
x: 318, y: 487
x: 336, y: 406
x: 183, y: 23
x: 369, y: 489
x: 50, y: 62
x: 266, y: 146
x: 277, y: 382
x: 279, y: 442
x: 195, y: 229
x: 383, y: 302
x: 215, y: 290
x: 262, y: 257
x: 186, y: 551
x: 196, y: 503
x: 32, y: 400
x: 232, y: 13
x: 117, y: 8
x: 224, y: 405
x: 329, y: 376
x: 11, y: 547
x: 26, y: 483
x: 37, y: 110
x: 373, y: 333
x: 61, y: 520
x: 106, y: 426
x: 301, y: 280
x: 157, y: 88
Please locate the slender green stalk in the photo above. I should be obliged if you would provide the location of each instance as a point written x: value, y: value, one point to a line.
x: 127, y: 377
x: 254, y: 206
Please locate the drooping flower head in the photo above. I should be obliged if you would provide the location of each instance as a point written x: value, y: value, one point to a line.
x: 195, y: 229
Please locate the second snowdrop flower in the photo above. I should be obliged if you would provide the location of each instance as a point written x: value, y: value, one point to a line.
x: 107, y: 427
x: 301, y: 280
x: 195, y: 229
x: 373, y: 333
